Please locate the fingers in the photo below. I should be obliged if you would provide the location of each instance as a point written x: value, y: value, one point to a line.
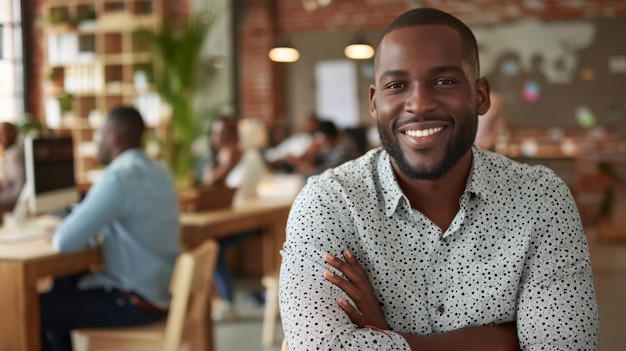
x: 343, y: 284
x: 351, y: 291
x: 351, y: 268
x: 355, y: 283
x: 351, y: 311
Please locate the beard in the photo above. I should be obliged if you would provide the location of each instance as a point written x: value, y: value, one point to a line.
x: 455, y: 149
x: 104, y: 155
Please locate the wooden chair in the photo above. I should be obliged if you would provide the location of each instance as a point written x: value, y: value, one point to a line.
x: 270, y: 312
x: 190, y: 288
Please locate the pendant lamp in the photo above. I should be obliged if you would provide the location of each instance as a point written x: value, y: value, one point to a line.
x: 359, y: 49
x: 284, y: 52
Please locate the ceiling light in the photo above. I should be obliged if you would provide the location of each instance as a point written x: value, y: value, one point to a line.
x: 359, y: 51
x: 324, y: 3
x: 284, y: 53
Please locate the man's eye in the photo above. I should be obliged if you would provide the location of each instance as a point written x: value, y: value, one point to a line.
x: 445, y: 81
x: 395, y: 85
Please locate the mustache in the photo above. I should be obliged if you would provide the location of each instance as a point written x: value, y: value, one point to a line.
x: 421, y: 118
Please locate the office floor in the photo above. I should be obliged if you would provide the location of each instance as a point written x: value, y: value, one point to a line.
x: 609, y: 268
x: 243, y: 332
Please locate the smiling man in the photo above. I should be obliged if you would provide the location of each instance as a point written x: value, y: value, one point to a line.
x: 430, y: 243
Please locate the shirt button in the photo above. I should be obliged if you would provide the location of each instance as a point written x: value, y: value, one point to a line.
x: 441, y: 309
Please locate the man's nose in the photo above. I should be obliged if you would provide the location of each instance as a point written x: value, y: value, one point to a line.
x: 420, y: 100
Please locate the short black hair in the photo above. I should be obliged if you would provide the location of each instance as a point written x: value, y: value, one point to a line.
x: 430, y: 16
x: 328, y: 128
x: 127, y: 123
x: 230, y: 124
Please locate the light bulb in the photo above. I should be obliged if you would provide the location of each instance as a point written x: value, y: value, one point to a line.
x: 359, y: 51
x: 284, y: 54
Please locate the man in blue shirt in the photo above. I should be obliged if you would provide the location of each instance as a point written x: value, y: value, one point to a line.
x: 134, y: 208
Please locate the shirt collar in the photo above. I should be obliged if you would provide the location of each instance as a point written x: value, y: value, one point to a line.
x: 393, y: 195
x: 127, y: 154
x: 478, y: 180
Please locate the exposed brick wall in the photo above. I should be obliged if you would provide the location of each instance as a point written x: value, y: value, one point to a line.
x: 258, y: 76
x: 35, y: 62
x: 260, y: 80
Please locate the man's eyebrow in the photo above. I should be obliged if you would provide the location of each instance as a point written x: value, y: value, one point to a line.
x: 393, y: 73
x: 446, y: 69
x: 434, y: 70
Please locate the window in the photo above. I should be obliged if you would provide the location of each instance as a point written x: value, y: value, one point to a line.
x: 11, y: 61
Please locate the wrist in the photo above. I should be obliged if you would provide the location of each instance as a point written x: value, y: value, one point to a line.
x: 373, y: 327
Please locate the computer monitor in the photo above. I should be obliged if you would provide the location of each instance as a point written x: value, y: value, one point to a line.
x: 50, y: 179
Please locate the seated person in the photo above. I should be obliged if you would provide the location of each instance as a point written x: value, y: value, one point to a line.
x: 225, y: 150
x: 331, y: 148
x: 491, y: 124
x: 295, y: 145
x: 247, y: 174
x: 134, y: 207
x: 13, y: 177
x: 237, y: 164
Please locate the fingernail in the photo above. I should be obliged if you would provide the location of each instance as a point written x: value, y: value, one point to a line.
x: 347, y: 253
x: 328, y: 257
x: 341, y: 301
x: 328, y: 274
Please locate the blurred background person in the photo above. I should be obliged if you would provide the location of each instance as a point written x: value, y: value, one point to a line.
x: 251, y: 168
x: 225, y: 150
x: 237, y: 163
x: 330, y: 148
x: 492, y: 124
x: 132, y: 210
x: 13, y: 176
x: 295, y: 145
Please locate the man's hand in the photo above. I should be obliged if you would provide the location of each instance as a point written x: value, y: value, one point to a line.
x: 356, y: 285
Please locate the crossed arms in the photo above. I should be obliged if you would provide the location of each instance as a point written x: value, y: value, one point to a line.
x: 366, y: 313
x: 533, y: 291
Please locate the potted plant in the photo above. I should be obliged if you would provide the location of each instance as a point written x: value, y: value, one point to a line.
x: 176, y: 74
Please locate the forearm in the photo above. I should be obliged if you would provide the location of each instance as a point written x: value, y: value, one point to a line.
x: 493, y: 338
x: 105, y: 202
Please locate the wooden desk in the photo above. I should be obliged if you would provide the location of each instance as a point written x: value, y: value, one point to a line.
x: 21, y: 266
x: 269, y: 215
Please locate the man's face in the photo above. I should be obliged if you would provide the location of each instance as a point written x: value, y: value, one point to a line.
x: 218, y: 133
x: 7, y: 135
x: 104, y: 148
x: 425, y: 99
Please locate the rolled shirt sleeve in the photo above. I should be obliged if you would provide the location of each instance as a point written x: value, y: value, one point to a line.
x: 311, y: 317
x: 105, y: 202
x: 557, y: 307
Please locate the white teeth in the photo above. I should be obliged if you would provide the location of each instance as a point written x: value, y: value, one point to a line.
x: 423, y: 132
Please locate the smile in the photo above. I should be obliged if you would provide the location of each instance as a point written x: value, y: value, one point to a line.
x: 420, y: 133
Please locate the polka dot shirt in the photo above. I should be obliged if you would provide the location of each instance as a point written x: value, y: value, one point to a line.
x: 514, y: 252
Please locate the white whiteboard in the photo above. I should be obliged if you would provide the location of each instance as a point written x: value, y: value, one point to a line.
x: 336, y: 92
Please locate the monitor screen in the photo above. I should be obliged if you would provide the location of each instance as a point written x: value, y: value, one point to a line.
x: 50, y: 174
x: 53, y: 162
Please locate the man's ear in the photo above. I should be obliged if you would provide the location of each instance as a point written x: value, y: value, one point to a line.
x: 373, y: 111
x: 483, y: 101
x: 112, y: 139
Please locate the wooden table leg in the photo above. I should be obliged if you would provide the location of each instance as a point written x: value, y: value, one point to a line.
x: 273, y: 238
x: 19, y: 311
x: 203, y: 338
